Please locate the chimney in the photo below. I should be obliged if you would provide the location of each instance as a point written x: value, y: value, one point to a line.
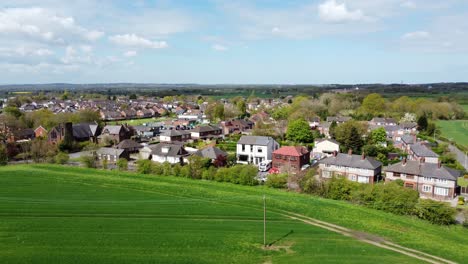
x: 404, y: 161
x: 350, y: 152
x: 439, y: 164
x: 422, y: 160
x: 363, y: 156
x: 335, y: 153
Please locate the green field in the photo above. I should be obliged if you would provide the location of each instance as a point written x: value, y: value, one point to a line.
x: 136, y: 122
x: 56, y: 214
x: 456, y: 130
x: 465, y: 107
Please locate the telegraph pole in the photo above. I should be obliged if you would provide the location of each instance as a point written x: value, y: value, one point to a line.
x: 264, y: 221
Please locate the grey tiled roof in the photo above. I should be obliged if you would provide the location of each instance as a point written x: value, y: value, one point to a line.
x: 422, y: 151
x: 425, y: 169
x: 353, y: 161
x: 210, y: 152
x: 110, y: 151
x: 255, y: 140
x: 174, y: 150
x: 408, y: 139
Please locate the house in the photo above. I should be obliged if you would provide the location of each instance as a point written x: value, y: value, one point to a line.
x: 165, y: 152
x: 24, y: 134
x: 235, y: 126
x: 325, y: 148
x: 205, y: 132
x: 431, y: 180
x: 358, y: 168
x: 129, y: 114
x: 211, y: 153
x: 314, y: 122
x: 86, y: 132
x: 112, y: 154
x: 419, y: 151
x: 338, y: 119
x: 111, y: 115
x: 290, y: 158
x: 324, y: 128
x: 406, y: 141
x: 40, y: 132
x: 115, y: 133
x: 255, y: 149
x: 129, y: 145
x: 146, y: 131
x: 174, y: 136
x: 409, y: 127
x: 145, y: 113
x: 379, y: 121
x: 57, y: 133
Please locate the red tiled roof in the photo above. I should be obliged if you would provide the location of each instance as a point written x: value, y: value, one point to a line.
x: 291, y: 151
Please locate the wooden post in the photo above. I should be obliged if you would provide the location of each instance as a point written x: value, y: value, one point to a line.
x: 264, y: 221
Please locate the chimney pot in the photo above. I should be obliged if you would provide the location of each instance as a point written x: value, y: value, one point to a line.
x: 439, y: 164
x: 404, y: 161
x: 363, y: 156
x: 335, y: 153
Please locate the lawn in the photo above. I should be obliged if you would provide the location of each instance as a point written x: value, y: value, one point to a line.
x: 465, y: 107
x: 456, y: 130
x: 55, y: 214
x: 136, y: 122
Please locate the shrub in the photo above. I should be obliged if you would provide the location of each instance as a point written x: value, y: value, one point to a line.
x: 89, y: 161
x: 61, y: 158
x: 277, y: 180
x: 122, y: 164
x: 3, y: 156
x: 435, y: 212
x: 394, y: 198
x: 104, y: 164
x: 144, y: 166
x: 340, y: 188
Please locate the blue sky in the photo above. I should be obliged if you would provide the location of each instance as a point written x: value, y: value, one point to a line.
x: 217, y: 41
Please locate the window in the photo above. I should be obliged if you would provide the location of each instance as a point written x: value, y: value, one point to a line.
x: 409, y: 176
x: 260, y: 150
x: 442, y: 181
x: 428, y: 179
x: 427, y: 188
x: 293, y: 158
x: 353, y: 177
x: 441, y: 191
x: 243, y: 147
x: 278, y: 156
x: 362, y: 179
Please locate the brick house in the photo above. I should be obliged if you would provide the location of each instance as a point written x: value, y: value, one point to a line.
x: 205, y: 132
x: 290, y: 158
x: 40, y: 132
x: 173, y: 135
x: 116, y: 133
x: 431, y: 180
x: 235, y: 126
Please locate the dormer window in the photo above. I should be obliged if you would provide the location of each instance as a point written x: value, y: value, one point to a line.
x: 165, y: 149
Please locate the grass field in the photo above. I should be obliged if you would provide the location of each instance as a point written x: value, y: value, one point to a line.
x: 55, y: 214
x: 456, y: 130
x: 465, y: 107
x: 136, y: 122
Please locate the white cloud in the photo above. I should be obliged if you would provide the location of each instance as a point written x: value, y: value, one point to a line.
x: 44, y: 25
x: 133, y: 40
x: 25, y: 51
x: 331, y: 11
x: 219, y: 47
x: 130, y: 53
x: 416, y: 35
x: 408, y: 4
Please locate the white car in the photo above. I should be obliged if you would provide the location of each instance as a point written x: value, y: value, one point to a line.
x: 264, y: 165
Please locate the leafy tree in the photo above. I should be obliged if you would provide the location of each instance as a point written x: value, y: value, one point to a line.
x: 422, y: 123
x: 3, y: 155
x: 299, y: 131
x: 394, y: 198
x: 220, y: 161
x: 122, y: 164
x: 349, y: 134
x: 132, y: 96
x: 332, y: 129
x: 373, y: 104
x: 242, y: 107
x: 12, y: 111
x: 144, y: 166
x: 277, y: 180
x: 196, y: 164
x: 354, y: 141
x: 378, y: 136
x: 340, y: 188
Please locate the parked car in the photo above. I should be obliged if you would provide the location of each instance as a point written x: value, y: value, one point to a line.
x: 264, y: 165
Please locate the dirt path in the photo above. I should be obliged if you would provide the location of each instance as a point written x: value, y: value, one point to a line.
x: 368, y: 238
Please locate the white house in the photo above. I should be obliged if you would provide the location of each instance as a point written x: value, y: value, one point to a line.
x: 255, y: 149
x: 162, y: 152
x: 325, y: 148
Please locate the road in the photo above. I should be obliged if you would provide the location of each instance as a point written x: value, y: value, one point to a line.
x: 459, y: 155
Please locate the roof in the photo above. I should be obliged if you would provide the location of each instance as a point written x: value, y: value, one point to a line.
x: 408, y: 125
x: 338, y: 118
x: 318, y: 141
x: 425, y: 169
x: 421, y: 150
x: 128, y: 144
x: 83, y: 131
x: 110, y: 151
x: 173, y: 150
x: 383, y: 120
x: 408, y: 139
x: 210, y: 152
x: 354, y: 161
x: 296, y: 151
x: 207, y: 128
x: 174, y: 133
x: 255, y: 140
x: 112, y: 129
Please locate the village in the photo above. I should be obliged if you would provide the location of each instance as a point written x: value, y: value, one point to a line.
x: 167, y: 130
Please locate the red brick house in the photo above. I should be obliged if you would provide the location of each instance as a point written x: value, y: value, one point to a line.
x: 40, y: 132
x: 290, y: 158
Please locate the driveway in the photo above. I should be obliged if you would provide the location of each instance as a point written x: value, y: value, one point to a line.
x: 459, y: 155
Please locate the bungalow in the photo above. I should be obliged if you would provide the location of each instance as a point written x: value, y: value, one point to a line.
x: 129, y: 145
x: 206, y: 132
x: 431, y: 180
x: 211, y: 153
x: 357, y: 168
x: 255, y: 149
x: 290, y: 158
x: 174, y: 136
x: 325, y: 148
x: 164, y: 152
x: 112, y: 154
